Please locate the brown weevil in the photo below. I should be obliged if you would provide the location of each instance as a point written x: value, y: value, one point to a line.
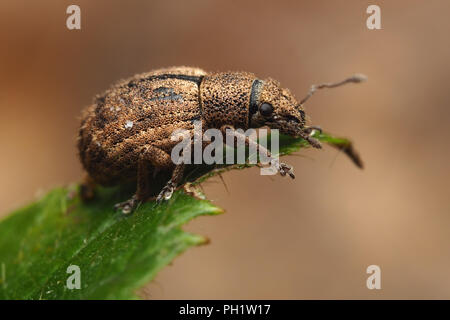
x: 125, y: 134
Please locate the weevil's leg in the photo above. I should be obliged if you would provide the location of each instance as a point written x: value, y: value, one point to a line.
x: 143, y: 176
x: 162, y: 160
x: 127, y: 206
x: 167, y: 191
x: 309, y: 131
x: 306, y: 134
x: 142, y: 187
x: 87, y: 188
x: 282, y: 168
x: 153, y: 157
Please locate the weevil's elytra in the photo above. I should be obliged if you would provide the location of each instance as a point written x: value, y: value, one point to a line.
x: 125, y: 134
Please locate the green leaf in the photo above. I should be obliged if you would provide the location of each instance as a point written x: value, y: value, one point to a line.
x: 116, y: 254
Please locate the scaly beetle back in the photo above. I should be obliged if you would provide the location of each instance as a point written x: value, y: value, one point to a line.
x: 126, y: 133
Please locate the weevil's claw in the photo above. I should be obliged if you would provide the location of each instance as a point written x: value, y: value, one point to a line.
x: 166, y: 192
x: 127, y: 206
x: 286, y: 169
x: 283, y: 168
x: 291, y: 174
x: 314, y: 142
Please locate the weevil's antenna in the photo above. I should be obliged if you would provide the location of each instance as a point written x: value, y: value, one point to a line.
x: 356, y: 78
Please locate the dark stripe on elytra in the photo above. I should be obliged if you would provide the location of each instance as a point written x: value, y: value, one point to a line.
x: 195, y: 79
x: 254, y: 97
x: 145, y: 122
x: 168, y: 94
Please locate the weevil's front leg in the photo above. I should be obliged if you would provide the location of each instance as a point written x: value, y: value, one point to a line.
x: 281, y: 167
x: 307, y: 135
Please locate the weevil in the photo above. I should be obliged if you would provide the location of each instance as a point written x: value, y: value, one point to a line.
x: 125, y: 134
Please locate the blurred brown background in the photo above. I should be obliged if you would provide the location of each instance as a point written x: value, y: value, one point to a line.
x: 309, y: 238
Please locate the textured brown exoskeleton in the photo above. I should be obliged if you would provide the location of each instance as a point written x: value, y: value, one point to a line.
x: 125, y: 134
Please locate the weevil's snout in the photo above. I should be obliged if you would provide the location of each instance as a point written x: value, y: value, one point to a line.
x: 278, y: 109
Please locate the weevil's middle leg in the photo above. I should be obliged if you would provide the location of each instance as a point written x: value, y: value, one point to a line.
x: 282, y: 168
x: 155, y: 158
x: 167, y: 191
x: 142, y: 188
x: 306, y: 134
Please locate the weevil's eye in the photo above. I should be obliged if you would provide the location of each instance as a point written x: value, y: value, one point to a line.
x: 266, y: 109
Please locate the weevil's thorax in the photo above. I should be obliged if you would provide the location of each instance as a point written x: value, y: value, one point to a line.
x: 225, y: 99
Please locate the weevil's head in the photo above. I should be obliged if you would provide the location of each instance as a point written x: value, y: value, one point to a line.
x: 276, y: 108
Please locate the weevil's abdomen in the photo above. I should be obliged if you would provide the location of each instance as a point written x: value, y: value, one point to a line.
x: 226, y: 98
x: 133, y: 114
